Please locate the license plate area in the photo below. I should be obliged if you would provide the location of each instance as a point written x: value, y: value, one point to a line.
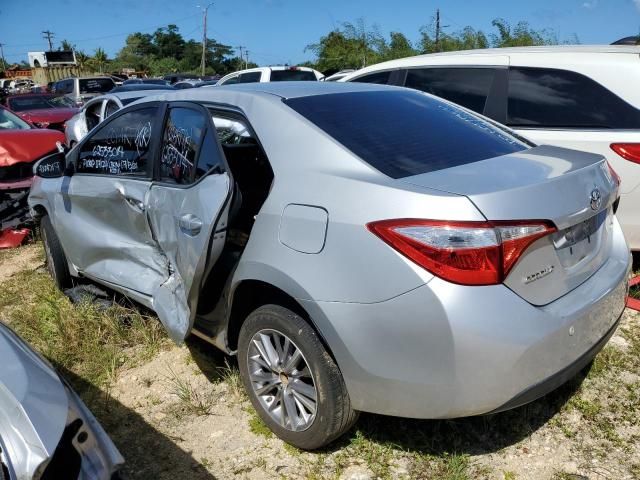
x: 580, y: 241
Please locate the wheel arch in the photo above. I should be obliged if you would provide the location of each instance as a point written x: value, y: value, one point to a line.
x: 248, y: 294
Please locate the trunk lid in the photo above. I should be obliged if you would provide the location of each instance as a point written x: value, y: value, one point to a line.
x: 574, y: 190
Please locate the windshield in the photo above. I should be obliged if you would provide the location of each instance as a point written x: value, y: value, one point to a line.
x: 404, y: 133
x: 96, y: 85
x: 10, y: 121
x: 292, y: 75
x: 37, y: 102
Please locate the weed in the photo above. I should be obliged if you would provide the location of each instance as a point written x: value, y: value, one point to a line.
x: 257, y: 426
x: 192, y: 400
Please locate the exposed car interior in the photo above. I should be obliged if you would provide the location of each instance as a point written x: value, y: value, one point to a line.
x: 253, y: 177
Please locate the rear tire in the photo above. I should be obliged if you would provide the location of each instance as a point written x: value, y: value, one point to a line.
x: 56, y: 261
x: 272, y: 383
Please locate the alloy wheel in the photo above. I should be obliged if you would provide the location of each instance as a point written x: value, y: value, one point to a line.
x: 281, y: 379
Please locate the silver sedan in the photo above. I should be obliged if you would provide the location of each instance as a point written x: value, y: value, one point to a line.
x: 45, y: 429
x: 358, y: 247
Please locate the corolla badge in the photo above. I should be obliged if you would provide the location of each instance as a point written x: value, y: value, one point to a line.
x: 595, y: 199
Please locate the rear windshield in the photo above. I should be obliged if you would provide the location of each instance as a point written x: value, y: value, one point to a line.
x: 96, y: 85
x: 21, y: 104
x: 405, y: 133
x: 292, y: 75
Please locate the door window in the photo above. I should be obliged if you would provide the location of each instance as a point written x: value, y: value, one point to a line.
x: 121, y: 146
x: 378, y: 77
x: 545, y: 97
x: 181, y: 140
x: 230, y: 81
x: 468, y: 87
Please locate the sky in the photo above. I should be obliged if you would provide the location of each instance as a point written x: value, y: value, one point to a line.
x: 277, y: 31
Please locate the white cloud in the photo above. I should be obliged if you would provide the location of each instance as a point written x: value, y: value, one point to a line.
x: 637, y: 4
x: 591, y: 4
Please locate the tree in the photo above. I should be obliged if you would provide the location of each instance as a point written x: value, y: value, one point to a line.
x: 399, y: 47
x: 168, y: 42
x: 466, y: 39
x: 66, y: 45
x: 350, y: 46
x: 100, y: 58
x: 82, y: 59
x: 522, y: 35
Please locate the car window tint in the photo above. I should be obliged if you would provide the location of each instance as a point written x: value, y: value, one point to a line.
x: 210, y: 158
x: 180, y: 142
x: 230, y: 81
x: 293, y: 75
x: 404, y: 132
x: 251, y: 77
x: 378, y: 77
x: 541, y: 97
x: 111, y: 108
x: 121, y: 146
x: 468, y: 87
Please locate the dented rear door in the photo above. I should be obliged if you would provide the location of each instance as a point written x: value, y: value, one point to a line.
x: 187, y: 211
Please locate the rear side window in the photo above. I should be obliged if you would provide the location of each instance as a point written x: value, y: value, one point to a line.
x: 381, y: 78
x: 180, y: 143
x: 96, y: 85
x: 292, y: 75
x: 468, y: 87
x: 541, y: 97
x: 251, y: 77
x: 405, y: 133
x: 121, y: 146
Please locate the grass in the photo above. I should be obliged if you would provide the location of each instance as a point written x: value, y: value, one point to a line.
x: 192, y: 401
x: 91, y: 342
x: 257, y: 426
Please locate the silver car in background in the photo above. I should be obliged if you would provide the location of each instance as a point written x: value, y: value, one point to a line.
x: 45, y: 429
x: 358, y: 247
x: 96, y: 110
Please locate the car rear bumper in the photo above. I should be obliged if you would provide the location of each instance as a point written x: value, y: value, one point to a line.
x: 629, y: 217
x: 445, y: 351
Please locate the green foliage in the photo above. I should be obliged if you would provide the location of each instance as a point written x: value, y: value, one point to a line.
x: 166, y: 51
x: 353, y: 45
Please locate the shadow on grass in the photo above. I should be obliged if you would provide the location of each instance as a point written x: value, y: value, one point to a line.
x: 148, y: 452
x: 469, y: 435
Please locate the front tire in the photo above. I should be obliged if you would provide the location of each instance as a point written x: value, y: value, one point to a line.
x: 55, y: 258
x: 292, y: 381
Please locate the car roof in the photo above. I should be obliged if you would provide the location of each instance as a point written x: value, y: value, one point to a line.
x: 284, y: 90
x: 538, y: 54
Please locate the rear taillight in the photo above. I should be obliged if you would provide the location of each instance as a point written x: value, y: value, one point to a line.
x: 628, y: 151
x: 467, y: 253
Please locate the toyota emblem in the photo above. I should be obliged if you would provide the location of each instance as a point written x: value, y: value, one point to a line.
x: 595, y: 199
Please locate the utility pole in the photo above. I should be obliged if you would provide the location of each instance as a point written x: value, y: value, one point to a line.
x: 246, y: 63
x: 241, y: 47
x: 49, y: 36
x: 4, y: 65
x: 204, y: 39
x: 437, y: 30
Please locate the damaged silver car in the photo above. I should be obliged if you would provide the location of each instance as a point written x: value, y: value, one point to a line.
x: 46, y: 432
x: 359, y: 247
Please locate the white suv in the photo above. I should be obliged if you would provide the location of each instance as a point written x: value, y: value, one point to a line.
x: 580, y: 97
x: 271, y: 74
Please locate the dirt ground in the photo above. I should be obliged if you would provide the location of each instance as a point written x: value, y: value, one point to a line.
x: 182, y: 414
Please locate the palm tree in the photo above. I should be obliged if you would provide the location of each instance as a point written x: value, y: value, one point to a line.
x: 100, y: 57
x: 82, y: 59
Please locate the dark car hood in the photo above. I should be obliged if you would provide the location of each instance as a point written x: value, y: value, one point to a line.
x: 51, y: 115
x: 27, y: 145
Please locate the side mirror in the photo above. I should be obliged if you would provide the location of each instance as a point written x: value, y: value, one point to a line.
x: 51, y: 166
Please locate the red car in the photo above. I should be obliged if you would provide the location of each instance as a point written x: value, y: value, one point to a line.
x: 20, y: 146
x: 44, y: 110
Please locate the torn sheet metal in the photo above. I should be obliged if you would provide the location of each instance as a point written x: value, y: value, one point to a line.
x: 169, y: 303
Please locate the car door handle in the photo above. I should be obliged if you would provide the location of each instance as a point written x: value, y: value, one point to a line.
x: 190, y: 224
